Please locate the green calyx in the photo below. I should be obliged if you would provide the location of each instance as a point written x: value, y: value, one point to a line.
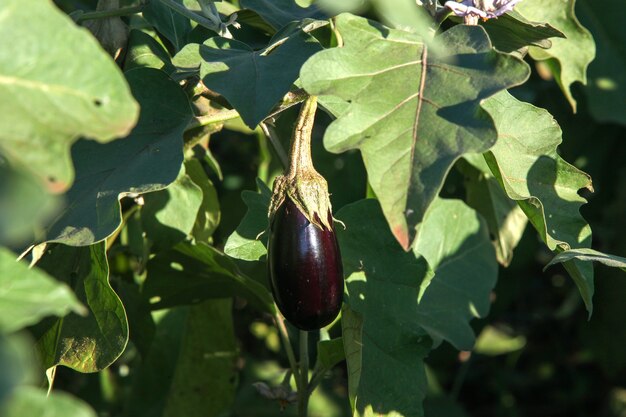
x: 302, y: 183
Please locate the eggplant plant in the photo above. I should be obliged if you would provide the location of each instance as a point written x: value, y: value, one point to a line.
x: 311, y: 208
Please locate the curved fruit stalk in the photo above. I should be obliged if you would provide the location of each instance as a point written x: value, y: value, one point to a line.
x: 304, y: 261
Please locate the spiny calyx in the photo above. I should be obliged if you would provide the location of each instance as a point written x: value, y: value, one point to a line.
x: 302, y: 184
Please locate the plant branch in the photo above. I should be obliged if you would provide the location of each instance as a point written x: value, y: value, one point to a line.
x: 303, y: 390
x: 210, y: 119
x: 284, y: 337
x: 104, y: 14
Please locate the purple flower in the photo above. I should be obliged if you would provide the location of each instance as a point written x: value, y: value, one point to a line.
x: 487, y: 9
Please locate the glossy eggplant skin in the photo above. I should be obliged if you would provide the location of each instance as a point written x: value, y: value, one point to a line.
x: 305, y: 269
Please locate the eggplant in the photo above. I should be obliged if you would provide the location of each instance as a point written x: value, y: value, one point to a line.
x: 305, y: 269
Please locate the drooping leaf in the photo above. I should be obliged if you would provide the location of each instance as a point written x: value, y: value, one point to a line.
x: 188, y: 274
x: 269, y: 72
x: 171, y: 24
x: 145, y: 51
x: 168, y: 216
x: 279, y: 13
x: 148, y: 159
x: 46, y: 106
x: 208, y: 217
x: 454, y: 241
x: 589, y: 255
x: 511, y: 32
x: 568, y: 58
x: 384, y: 343
x: 84, y: 343
x: 607, y: 79
x: 246, y: 243
x: 526, y: 163
x: 411, y: 114
x: 28, y: 295
x: 505, y: 219
x: 31, y: 401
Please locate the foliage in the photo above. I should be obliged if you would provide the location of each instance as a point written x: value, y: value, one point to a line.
x: 136, y: 187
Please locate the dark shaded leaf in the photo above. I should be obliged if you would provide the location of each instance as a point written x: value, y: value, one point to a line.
x: 90, y: 343
x: 188, y: 274
x: 148, y: 159
x: 279, y: 13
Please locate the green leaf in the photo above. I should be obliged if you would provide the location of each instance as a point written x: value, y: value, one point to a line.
x: 93, y: 342
x: 145, y: 51
x: 28, y: 295
x: 52, y: 94
x: 493, y: 341
x: 269, y: 72
x: 454, y: 241
x: 526, y: 163
x: 411, y: 114
x: 505, y: 219
x: 17, y: 364
x: 168, y: 216
x: 25, y: 207
x: 511, y: 32
x: 397, y: 306
x: 568, y: 58
x: 589, y: 255
x: 188, y: 274
x: 209, y: 213
x: 330, y: 353
x: 174, y: 26
x: 148, y: 159
x: 279, y: 13
x: 245, y: 242
x: 31, y: 401
x: 195, y: 349
x: 607, y: 79
x: 384, y: 342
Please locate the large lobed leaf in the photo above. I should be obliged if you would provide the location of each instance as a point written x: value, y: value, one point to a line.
x: 411, y: 114
x: 148, y: 159
x: 85, y: 343
x: 53, y: 94
x: 269, y: 73
x: 396, y: 306
x: 526, y: 163
x: 568, y: 58
x: 28, y: 295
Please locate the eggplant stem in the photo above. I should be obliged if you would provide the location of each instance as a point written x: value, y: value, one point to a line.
x: 300, y: 157
x: 303, y: 390
x: 284, y: 337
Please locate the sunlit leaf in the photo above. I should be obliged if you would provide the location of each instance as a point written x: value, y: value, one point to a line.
x: 411, y: 113
x: 46, y: 106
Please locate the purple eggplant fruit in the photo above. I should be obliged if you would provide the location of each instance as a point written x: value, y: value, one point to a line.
x: 303, y: 255
x: 305, y: 268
